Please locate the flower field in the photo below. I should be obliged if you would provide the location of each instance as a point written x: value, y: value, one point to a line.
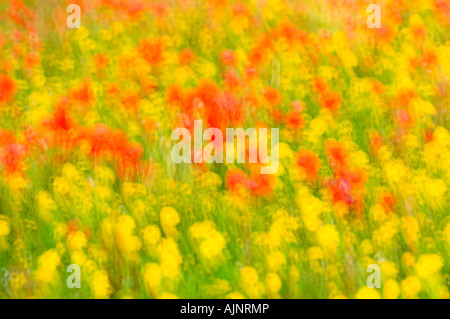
x: 87, y: 177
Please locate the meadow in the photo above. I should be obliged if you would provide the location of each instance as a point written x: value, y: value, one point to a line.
x: 87, y: 178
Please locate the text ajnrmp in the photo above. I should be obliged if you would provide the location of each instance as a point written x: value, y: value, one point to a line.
x: 230, y: 309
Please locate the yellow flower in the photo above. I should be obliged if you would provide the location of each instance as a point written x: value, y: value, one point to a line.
x: 408, y: 259
x: 410, y: 287
x: 170, y: 258
x: 77, y: 240
x: 315, y: 253
x: 447, y: 233
x: 219, y: 287
x: 384, y: 235
x: 317, y: 127
x: 152, y: 278
x: 167, y: 295
x: 250, y: 283
x: 131, y: 191
x: 428, y: 265
x: 389, y: 270
x: 284, y: 151
x: 45, y: 206
x: 282, y: 230
x: 273, y: 283
x: 395, y: 171
x: 435, y: 188
x: 311, y: 207
x: 61, y: 186
x: 213, y: 246
x: 47, y: 267
x: 100, y: 284
x: 341, y: 208
x: 367, y: 293
x: 128, y: 243
x: 391, y: 289
x: 235, y: 295
x: 169, y: 220
x: 411, y: 141
x: 328, y: 238
x: 78, y: 257
x: 366, y: 247
x: 73, y: 175
x: 104, y: 194
x: 16, y: 181
x: 412, y: 229
x: 151, y: 235
x: 420, y: 108
x: 210, y: 180
x: 4, y: 228
x: 240, y: 23
x: 378, y: 213
x: 275, y: 260
x: 349, y: 59
x: 211, y: 242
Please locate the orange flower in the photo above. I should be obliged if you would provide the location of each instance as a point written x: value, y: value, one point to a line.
x: 272, y: 96
x: 174, y: 94
x: 337, y: 155
x: 101, y: 61
x: 385, y: 33
x: 309, y: 162
x: 160, y: 9
x: 387, y: 200
x: 131, y: 100
x: 358, y: 178
x: 419, y: 33
x: 113, y: 89
x: 376, y: 141
x: 152, y: 50
x: 404, y: 97
x: 277, y: 115
x: 186, y: 56
x: 31, y: 60
x: 232, y: 80
x: 12, y: 156
x: 235, y: 180
x: 294, y: 120
x: 348, y: 189
x: 443, y: 7
x: 320, y: 84
x: 83, y: 95
x: 105, y: 142
x: 404, y: 119
x: 228, y: 58
x: 429, y: 60
x: 8, y: 88
x: 60, y: 120
x: 6, y: 137
x: 290, y: 32
x: 257, y: 54
x: 60, y: 126
x: 262, y: 184
x: 240, y: 8
x: 378, y: 87
x: 331, y: 100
